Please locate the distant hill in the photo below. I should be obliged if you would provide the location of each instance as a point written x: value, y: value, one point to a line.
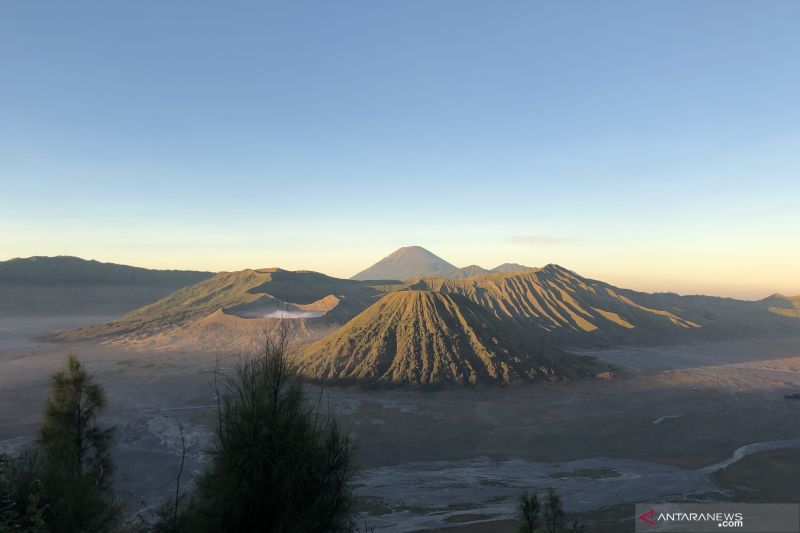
x: 431, y: 338
x: 473, y: 271
x: 319, y: 302
x: 70, y: 271
x: 414, y: 262
x: 510, y: 267
x: 71, y: 285
x: 467, y: 272
x: 779, y: 304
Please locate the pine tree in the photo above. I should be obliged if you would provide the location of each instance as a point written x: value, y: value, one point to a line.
x: 21, y: 494
x: 76, y: 465
x: 279, y: 463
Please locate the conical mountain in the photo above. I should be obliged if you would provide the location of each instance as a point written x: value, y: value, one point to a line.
x: 432, y: 338
x: 407, y: 263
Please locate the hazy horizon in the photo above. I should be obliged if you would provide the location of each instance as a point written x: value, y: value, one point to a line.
x: 652, y: 146
x: 631, y: 281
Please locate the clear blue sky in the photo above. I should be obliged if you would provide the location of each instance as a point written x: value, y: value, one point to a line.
x: 651, y: 144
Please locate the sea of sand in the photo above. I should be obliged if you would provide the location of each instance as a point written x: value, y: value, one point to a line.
x: 430, y: 460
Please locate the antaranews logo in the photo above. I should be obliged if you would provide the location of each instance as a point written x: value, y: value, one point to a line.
x: 648, y: 516
x: 747, y: 518
x: 728, y: 520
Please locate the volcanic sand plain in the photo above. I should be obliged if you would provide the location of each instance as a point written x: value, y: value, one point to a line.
x: 455, y: 457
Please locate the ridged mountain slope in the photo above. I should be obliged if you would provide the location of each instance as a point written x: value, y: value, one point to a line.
x: 432, y: 338
x: 569, y: 309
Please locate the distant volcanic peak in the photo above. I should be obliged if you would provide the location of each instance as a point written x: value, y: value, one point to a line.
x: 510, y: 267
x: 410, y: 262
x: 415, y: 262
x: 468, y: 272
x: 426, y: 337
x: 411, y: 250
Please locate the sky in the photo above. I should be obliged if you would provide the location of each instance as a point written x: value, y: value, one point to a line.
x: 653, y: 145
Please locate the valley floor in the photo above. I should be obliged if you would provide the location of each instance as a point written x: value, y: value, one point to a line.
x: 457, y: 457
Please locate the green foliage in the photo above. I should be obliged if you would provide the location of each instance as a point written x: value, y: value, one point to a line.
x: 279, y: 463
x: 21, y: 495
x: 554, y: 517
x: 529, y: 508
x: 553, y: 520
x: 76, y: 466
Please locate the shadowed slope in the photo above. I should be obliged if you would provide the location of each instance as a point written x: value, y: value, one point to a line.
x: 423, y: 337
x: 48, y: 286
x: 67, y: 270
